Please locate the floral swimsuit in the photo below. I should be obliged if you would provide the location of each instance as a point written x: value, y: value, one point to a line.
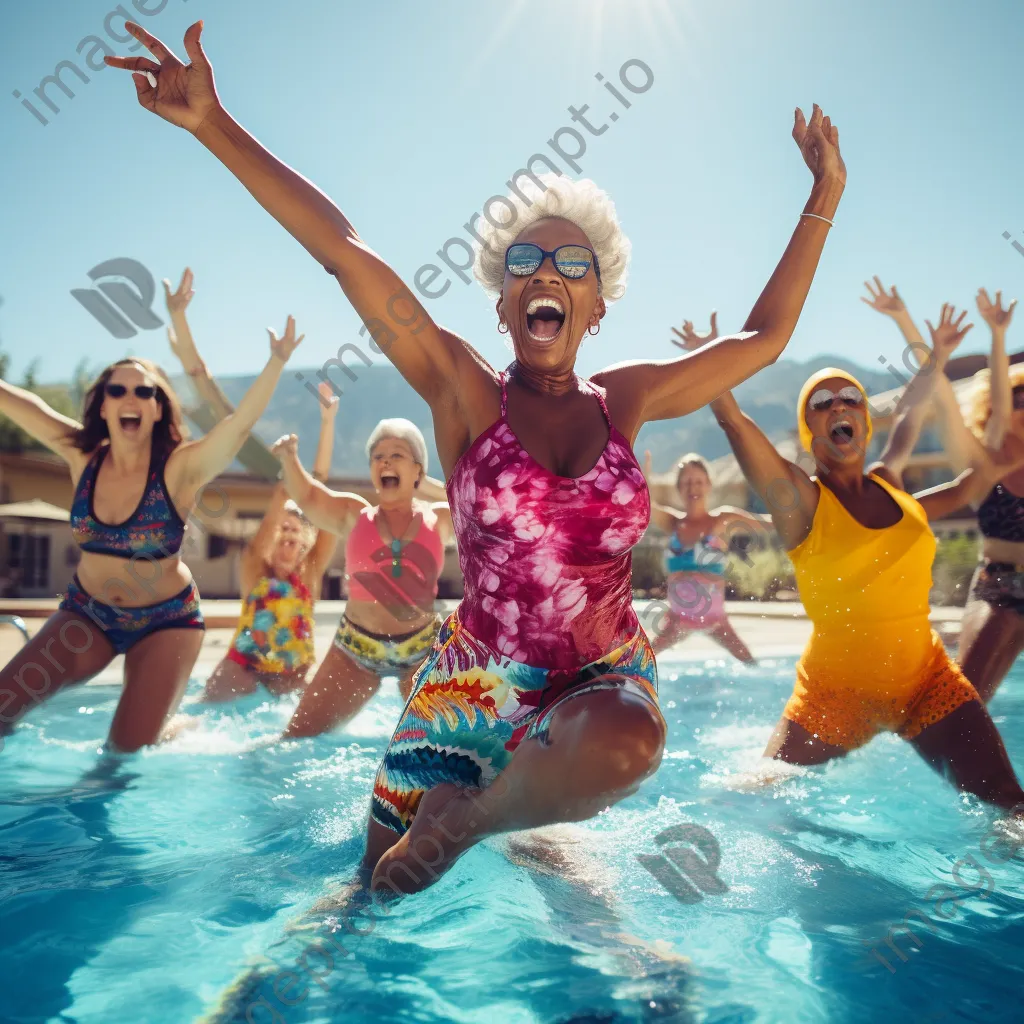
x: 547, y: 613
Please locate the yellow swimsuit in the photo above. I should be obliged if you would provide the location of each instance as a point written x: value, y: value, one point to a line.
x: 275, y: 631
x: 873, y: 663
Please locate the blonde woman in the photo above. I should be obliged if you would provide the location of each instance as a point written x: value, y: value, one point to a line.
x: 992, y: 628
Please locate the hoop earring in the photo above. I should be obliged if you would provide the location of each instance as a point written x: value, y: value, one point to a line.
x: 502, y: 327
x: 594, y: 328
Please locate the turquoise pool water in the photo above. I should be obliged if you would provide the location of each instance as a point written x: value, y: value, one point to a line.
x: 141, y: 891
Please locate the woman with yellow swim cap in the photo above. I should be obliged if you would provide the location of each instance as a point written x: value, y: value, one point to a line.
x: 862, y: 550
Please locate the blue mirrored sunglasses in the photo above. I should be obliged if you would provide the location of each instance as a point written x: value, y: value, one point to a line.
x: 571, y: 261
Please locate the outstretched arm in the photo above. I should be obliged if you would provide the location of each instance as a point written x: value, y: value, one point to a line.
x: 998, y: 320
x: 962, y: 447
x: 185, y: 95
x: 325, y: 442
x: 325, y: 509
x: 915, y: 402
x: 184, y: 348
x: 789, y: 494
x: 46, y: 425
x: 665, y: 390
x: 200, y: 461
x: 972, y: 485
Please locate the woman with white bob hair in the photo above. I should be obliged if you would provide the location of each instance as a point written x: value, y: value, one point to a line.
x: 394, y: 554
x: 538, y: 701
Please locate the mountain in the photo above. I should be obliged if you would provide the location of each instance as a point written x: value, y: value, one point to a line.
x: 380, y: 392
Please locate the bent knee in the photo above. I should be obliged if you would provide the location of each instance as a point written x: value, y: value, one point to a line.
x: 622, y: 731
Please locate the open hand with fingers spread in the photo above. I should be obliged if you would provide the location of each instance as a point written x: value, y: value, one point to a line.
x: 993, y: 313
x: 177, y: 301
x: 690, y: 339
x: 283, y: 347
x: 328, y: 401
x: 949, y: 333
x: 818, y: 140
x: 183, y: 94
x: 885, y: 302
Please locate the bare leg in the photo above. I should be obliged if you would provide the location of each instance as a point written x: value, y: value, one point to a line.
x: 156, y: 672
x: 280, y: 683
x: 405, y: 683
x: 68, y: 649
x: 337, y: 693
x: 599, y: 748
x: 228, y: 681
x: 990, y: 640
x: 674, y: 631
x: 966, y: 748
x: 793, y: 744
x: 724, y: 634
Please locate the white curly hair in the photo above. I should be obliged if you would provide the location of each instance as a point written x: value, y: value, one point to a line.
x: 400, y: 429
x: 584, y: 204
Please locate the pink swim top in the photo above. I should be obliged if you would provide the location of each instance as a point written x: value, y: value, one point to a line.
x: 370, y: 565
x: 545, y: 558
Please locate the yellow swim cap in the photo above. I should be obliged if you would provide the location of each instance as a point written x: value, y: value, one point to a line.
x: 808, y: 389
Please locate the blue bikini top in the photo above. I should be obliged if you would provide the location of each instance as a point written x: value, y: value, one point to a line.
x: 154, y: 530
x: 707, y: 555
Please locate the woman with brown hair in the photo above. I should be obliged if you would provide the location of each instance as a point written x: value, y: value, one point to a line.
x: 136, y: 480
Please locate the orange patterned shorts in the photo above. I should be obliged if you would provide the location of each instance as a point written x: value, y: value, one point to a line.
x: 849, y: 718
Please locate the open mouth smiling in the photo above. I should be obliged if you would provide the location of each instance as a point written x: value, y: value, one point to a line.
x: 841, y: 432
x: 130, y: 422
x: 389, y: 480
x: 544, y: 319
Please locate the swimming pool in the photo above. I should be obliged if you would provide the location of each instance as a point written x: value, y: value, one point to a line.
x: 140, y: 892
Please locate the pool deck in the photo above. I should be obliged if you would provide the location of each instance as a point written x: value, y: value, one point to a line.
x: 770, y: 629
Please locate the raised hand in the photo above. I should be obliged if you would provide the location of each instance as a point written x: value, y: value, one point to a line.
x: 885, y: 302
x: 285, y: 346
x: 177, y: 301
x: 690, y: 339
x: 328, y: 401
x: 183, y: 94
x: 993, y: 313
x: 818, y: 140
x: 286, y: 447
x: 950, y: 332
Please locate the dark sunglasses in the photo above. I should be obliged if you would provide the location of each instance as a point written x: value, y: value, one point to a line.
x: 143, y: 391
x: 825, y: 399
x: 572, y: 261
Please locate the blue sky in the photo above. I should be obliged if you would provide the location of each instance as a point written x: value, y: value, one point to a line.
x: 410, y: 115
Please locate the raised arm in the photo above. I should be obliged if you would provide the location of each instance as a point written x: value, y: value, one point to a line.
x: 325, y: 442
x: 789, y: 494
x: 664, y: 517
x: 914, y: 404
x: 998, y: 320
x: 664, y: 390
x: 186, y: 96
x: 962, y: 447
x: 184, y: 348
x: 195, y: 464
x: 325, y: 509
x: 971, y: 486
x: 46, y: 425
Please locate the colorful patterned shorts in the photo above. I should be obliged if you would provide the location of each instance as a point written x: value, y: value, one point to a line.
x: 850, y: 718
x: 385, y: 655
x: 125, y: 627
x: 471, y: 708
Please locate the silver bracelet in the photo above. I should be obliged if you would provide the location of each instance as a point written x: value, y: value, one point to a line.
x: 817, y: 216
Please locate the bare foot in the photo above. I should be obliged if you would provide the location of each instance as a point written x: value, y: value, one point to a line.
x: 446, y: 825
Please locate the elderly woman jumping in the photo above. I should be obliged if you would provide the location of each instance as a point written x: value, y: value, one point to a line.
x: 538, y: 702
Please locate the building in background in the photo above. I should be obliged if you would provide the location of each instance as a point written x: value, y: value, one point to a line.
x: 38, y: 555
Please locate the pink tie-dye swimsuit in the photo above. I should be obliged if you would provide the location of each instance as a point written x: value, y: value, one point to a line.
x: 547, y: 612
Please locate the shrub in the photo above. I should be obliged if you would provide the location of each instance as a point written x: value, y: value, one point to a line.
x: 955, y: 561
